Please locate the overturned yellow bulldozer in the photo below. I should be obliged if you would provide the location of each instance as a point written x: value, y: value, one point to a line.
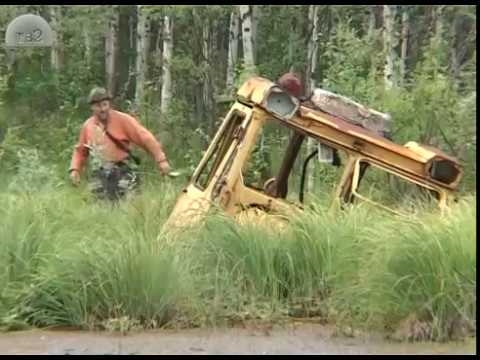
x: 341, y: 134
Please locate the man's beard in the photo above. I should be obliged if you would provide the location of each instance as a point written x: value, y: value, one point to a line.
x: 103, y: 115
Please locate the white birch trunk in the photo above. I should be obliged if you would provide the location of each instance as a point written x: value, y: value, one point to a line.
x: 88, y: 47
x: 207, y: 83
x: 57, y: 48
x: 404, y: 50
x: 206, y: 57
x: 111, y: 49
x: 371, y: 21
x: 439, y: 25
x: 312, y: 51
x: 389, y: 43
x: 457, y: 48
x: 248, y: 50
x: 158, y: 50
x: 232, y: 48
x: 141, y: 68
x: 166, y: 60
x: 255, y: 12
x: 291, y: 44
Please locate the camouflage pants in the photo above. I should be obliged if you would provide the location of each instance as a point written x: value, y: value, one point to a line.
x: 113, y: 181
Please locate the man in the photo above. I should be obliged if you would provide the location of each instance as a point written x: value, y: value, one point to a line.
x: 106, y: 138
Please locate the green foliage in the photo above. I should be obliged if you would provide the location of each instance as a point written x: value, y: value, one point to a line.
x: 278, y: 50
x: 354, y: 76
x: 32, y: 173
x: 429, y: 110
x: 10, y: 146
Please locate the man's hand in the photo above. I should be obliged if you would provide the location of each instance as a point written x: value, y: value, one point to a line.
x: 75, y: 177
x: 164, y: 167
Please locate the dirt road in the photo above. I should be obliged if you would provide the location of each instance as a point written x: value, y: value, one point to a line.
x: 301, y: 339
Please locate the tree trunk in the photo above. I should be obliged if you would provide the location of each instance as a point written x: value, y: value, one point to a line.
x: 88, y: 47
x: 312, y: 51
x: 206, y: 58
x: 438, y: 36
x: 57, y: 55
x: 159, y: 50
x: 255, y: 13
x: 111, y: 50
x: 378, y: 11
x: 462, y: 38
x: 128, y: 88
x: 141, y: 68
x: 454, y: 59
x: 389, y: 41
x: 404, y: 50
x: 371, y: 21
x: 436, y: 42
x: 291, y: 49
x: 166, y: 60
x: 439, y: 24
x: 248, y: 46
x: 232, y: 48
x: 207, y: 82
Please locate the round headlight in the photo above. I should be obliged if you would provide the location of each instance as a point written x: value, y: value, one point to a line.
x: 280, y: 103
x: 444, y: 171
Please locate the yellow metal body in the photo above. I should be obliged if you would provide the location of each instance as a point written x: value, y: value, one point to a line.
x: 218, y: 181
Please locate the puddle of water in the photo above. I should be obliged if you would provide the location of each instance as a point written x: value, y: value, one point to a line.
x: 304, y: 339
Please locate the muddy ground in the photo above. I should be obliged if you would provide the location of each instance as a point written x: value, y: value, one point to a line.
x: 293, y: 339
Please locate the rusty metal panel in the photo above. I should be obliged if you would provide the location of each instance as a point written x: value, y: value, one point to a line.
x: 351, y: 111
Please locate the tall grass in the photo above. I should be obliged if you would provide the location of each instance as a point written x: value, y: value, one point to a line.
x: 428, y: 268
x: 69, y: 260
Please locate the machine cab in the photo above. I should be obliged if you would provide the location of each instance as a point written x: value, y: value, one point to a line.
x: 273, y: 156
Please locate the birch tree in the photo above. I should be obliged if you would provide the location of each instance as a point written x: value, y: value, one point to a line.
x: 404, y: 49
x: 158, y: 53
x: 247, y: 38
x: 439, y: 23
x: 437, y: 39
x: 166, y: 61
x: 111, y: 49
x: 143, y: 43
x: 207, y: 82
x: 234, y: 32
x: 88, y: 47
x: 371, y: 21
x: 132, y: 64
x: 462, y: 37
x: 312, y: 50
x: 57, y: 53
x: 255, y: 9
x: 389, y: 42
x: 206, y: 57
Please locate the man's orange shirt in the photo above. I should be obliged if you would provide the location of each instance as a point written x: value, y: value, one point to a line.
x: 121, y: 126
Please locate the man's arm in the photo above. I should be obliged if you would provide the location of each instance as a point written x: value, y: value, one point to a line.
x: 80, y: 152
x: 140, y: 136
